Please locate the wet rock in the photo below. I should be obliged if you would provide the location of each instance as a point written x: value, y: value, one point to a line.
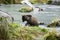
x: 41, y: 23
x: 54, y: 24
x: 25, y: 9
x: 40, y: 9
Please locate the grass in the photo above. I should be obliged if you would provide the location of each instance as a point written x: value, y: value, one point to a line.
x: 13, y: 31
x: 52, y: 36
x: 17, y: 32
x: 24, y: 33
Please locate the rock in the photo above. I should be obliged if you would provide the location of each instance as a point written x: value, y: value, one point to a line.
x: 53, y: 2
x: 25, y: 9
x: 40, y: 9
x: 54, y: 24
x: 8, y: 17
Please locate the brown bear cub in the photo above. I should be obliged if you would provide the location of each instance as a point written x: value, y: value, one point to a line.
x: 31, y: 21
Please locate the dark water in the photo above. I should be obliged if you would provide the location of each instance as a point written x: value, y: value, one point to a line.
x: 50, y: 13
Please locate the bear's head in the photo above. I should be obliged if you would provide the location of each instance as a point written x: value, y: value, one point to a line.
x: 26, y: 17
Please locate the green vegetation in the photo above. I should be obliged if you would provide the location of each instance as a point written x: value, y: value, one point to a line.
x: 49, y: 2
x: 7, y: 2
x: 24, y: 33
x: 52, y: 36
x: 54, y: 23
x: 16, y: 32
x: 3, y: 28
x: 13, y: 31
x: 34, y: 1
x: 25, y: 9
x: 10, y: 1
x: 18, y: 1
x: 38, y: 1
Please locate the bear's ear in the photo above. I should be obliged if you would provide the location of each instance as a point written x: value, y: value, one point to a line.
x: 29, y: 15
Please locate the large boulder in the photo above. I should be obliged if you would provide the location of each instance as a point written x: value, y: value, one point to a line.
x: 8, y: 17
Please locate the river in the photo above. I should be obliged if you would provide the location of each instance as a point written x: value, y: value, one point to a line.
x: 50, y: 13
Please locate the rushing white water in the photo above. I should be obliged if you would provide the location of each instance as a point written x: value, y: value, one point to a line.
x: 29, y: 4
